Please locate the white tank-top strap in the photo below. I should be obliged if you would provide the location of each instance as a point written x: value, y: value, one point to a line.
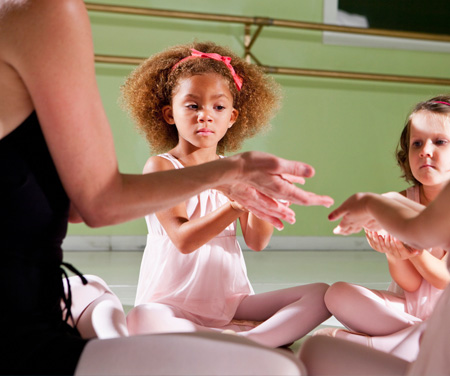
x: 413, y: 193
x: 175, y: 161
x: 177, y: 164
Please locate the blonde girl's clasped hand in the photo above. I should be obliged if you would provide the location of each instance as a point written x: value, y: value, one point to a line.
x: 383, y: 242
x: 193, y: 275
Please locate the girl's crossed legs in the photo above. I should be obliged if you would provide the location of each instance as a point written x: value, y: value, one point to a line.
x: 379, y: 314
x: 287, y: 315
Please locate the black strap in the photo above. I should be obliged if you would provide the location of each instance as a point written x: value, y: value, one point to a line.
x: 67, y: 299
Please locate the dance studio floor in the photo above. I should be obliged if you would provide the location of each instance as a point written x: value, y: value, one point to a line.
x: 267, y: 270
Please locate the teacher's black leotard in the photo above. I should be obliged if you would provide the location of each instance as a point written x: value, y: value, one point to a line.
x: 33, y: 223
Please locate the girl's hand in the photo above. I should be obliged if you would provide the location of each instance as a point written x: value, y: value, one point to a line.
x: 377, y: 240
x: 354, y: 215
x: 385, y: 243
x: 238, y: 207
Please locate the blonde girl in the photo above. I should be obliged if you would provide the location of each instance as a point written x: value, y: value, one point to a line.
x: 381, y: 318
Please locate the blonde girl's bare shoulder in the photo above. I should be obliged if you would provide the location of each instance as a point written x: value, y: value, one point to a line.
x: 156, y: 163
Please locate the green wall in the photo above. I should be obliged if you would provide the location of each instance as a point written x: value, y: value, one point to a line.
x: 346, y: 129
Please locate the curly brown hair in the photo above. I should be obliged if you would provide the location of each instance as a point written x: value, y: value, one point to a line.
x: 151, y: 86
x: 402, y: 151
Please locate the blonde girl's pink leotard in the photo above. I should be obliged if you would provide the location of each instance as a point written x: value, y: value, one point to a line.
x: 421, y: 302
x: 207, y: 284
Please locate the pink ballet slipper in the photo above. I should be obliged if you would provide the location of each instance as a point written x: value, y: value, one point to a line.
x: 346, y: 334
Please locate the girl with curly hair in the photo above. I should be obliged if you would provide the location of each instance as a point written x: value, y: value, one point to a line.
x: 382, y: 318
x: 195, y: 102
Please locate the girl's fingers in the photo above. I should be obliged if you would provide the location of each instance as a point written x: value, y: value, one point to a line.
x: 371, y: 240
x: 381, y: 245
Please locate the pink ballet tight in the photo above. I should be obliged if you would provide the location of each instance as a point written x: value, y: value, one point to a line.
x: 379, y: 314
x: 287, y: 315
x: 97, y: 312
x: 373, y: 312
x: 324, y: 356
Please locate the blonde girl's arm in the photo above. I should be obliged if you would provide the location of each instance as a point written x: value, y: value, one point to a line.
x: 190, y: 234
x: 432, y: 269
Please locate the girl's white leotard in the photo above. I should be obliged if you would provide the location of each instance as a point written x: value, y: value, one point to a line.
x: 421, y: 302
x: 207, y: 284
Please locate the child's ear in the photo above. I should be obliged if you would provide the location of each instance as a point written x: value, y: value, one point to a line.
x: 168, y: 114
x: 233, y: 118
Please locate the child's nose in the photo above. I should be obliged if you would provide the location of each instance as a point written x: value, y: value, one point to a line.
x: 427, y: 150
x: 204, y: 116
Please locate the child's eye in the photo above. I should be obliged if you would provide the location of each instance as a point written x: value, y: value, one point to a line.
x: 416, y: 144
x: 441, y: 142
x: 220, y: 108
x: 192, y: 106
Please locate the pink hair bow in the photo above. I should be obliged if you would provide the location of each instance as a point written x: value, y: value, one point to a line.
x: 225, y: 59
x: 448, y: 104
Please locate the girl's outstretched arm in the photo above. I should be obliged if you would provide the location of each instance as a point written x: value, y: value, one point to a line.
x: 419, y: 228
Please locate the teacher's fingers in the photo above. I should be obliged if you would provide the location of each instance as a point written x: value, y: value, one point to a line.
x: 297, y: 168
x: 296, y: 195
x: 293, y: 179
x: 337, y: 213
x: 263, y: 206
